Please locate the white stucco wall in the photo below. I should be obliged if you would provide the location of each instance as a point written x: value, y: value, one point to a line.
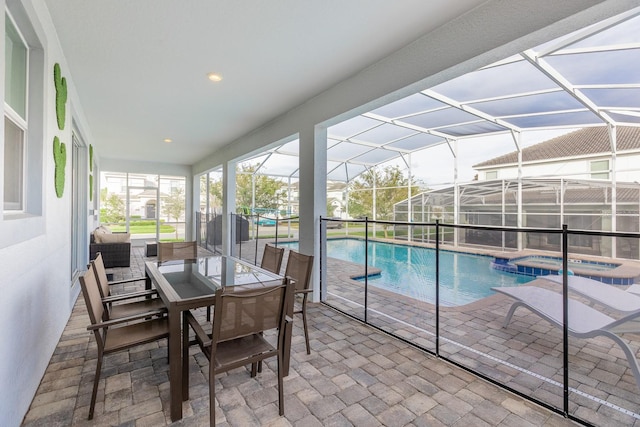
x: 36, y: 293
x: 626, y: 166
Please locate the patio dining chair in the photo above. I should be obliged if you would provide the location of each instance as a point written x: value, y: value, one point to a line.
x: 127, y: 304
x: 272, y: 258
x: 113, y: 335
x: 168, y: 251
x: 241, y: 316
x: 299, y: 268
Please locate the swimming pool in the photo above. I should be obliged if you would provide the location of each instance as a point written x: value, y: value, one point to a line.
x: 410, y: 270
x: 556, y: 263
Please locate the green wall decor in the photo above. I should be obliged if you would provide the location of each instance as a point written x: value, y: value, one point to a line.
x: 60, y: 159
x: 61, y: 95
x: 90, y: 188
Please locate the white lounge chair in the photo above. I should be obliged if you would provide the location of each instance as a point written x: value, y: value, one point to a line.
x: 610, y: 296
x: 584, y: 321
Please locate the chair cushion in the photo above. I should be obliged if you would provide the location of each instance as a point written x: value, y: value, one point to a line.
x: 112, y: 237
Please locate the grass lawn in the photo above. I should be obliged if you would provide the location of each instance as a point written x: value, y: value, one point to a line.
x: 273, y: 236
x: 143, y: 229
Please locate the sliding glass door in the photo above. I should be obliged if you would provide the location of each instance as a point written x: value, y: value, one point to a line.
x: 149, y: 206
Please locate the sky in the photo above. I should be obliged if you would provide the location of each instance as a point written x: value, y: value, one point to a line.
x: 434, y: 166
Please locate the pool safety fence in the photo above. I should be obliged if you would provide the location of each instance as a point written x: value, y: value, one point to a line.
x: 545, y: 353
x: 548, y: 352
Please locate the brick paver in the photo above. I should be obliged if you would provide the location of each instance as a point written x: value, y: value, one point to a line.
x: 355, y: 375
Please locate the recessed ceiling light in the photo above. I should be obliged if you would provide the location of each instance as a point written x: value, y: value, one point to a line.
x: 168, y: 140
x: 214, y: 77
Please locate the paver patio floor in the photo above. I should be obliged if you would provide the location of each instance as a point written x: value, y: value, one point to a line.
x: 355, y: 375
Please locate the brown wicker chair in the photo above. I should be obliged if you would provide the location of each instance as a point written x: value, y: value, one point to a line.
x: 241, y: 315
x: 272, y: 258
x: 124, y: 308
x: 168, y: 251
x: 299, y: 268
x: 116, y: 334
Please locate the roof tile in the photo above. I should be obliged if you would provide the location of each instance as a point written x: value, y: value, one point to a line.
x: 586, y: 141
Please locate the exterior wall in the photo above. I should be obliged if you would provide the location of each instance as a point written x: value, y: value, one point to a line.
x: 35, y: 253
x: 626, y: 166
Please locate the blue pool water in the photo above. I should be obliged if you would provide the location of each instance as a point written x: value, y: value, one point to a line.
x: 410, y: 270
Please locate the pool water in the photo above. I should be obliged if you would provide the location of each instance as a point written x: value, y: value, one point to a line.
x: 410, y: 270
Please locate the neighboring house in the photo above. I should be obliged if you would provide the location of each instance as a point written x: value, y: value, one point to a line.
x: 142, y: 192
x: 565, y: 180
x: 335, y: 195
x: 582, y: 154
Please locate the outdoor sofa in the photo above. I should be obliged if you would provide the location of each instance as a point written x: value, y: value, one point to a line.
x: 114, y: 247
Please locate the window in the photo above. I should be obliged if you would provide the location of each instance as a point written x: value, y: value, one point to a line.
x: 491, y: 175
x: 15, y: 119
x: 24, y: 115
x: 15, y: 69
x: 600, y: 169
x: 13, y: 166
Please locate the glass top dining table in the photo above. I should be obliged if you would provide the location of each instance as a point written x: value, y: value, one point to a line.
x: 187, y: 281
x: 188, y: 284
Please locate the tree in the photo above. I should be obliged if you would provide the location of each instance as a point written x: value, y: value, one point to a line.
x: 173, y: 205
x: 213, y: 193
x: 269, y: 193
x: 330, y: 207
x: 112, y: 208
x: 390, y: 188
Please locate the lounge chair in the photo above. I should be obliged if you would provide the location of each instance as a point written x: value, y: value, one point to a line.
x: 584, y: 321
x: 610, y: 296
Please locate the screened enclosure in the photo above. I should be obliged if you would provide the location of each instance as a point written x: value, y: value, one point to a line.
x: 590, y: 205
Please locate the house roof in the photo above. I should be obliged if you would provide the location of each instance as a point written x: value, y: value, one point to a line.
x: 583, y: 142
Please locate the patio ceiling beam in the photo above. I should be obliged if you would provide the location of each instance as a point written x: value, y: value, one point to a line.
x: 545, y: 68
x: 399, y: 122
x: 470, y: 110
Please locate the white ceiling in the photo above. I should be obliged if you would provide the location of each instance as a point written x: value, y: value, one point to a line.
x: 140, y: 67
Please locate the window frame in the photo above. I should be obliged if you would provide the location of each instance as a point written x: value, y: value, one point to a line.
x: 16, y: 207
x: 599, y: 173
x: 487, y: 173
x: 22, y: 123
x: 20, y: 226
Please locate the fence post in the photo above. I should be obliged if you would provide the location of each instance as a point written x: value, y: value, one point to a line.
x: 565, y: 317
x: 255, y: 257
x: 366, y: 266
x: 437, y: 287
x: 323, y: 261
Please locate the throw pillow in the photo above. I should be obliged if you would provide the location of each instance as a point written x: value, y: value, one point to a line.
x: 113, y: 238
